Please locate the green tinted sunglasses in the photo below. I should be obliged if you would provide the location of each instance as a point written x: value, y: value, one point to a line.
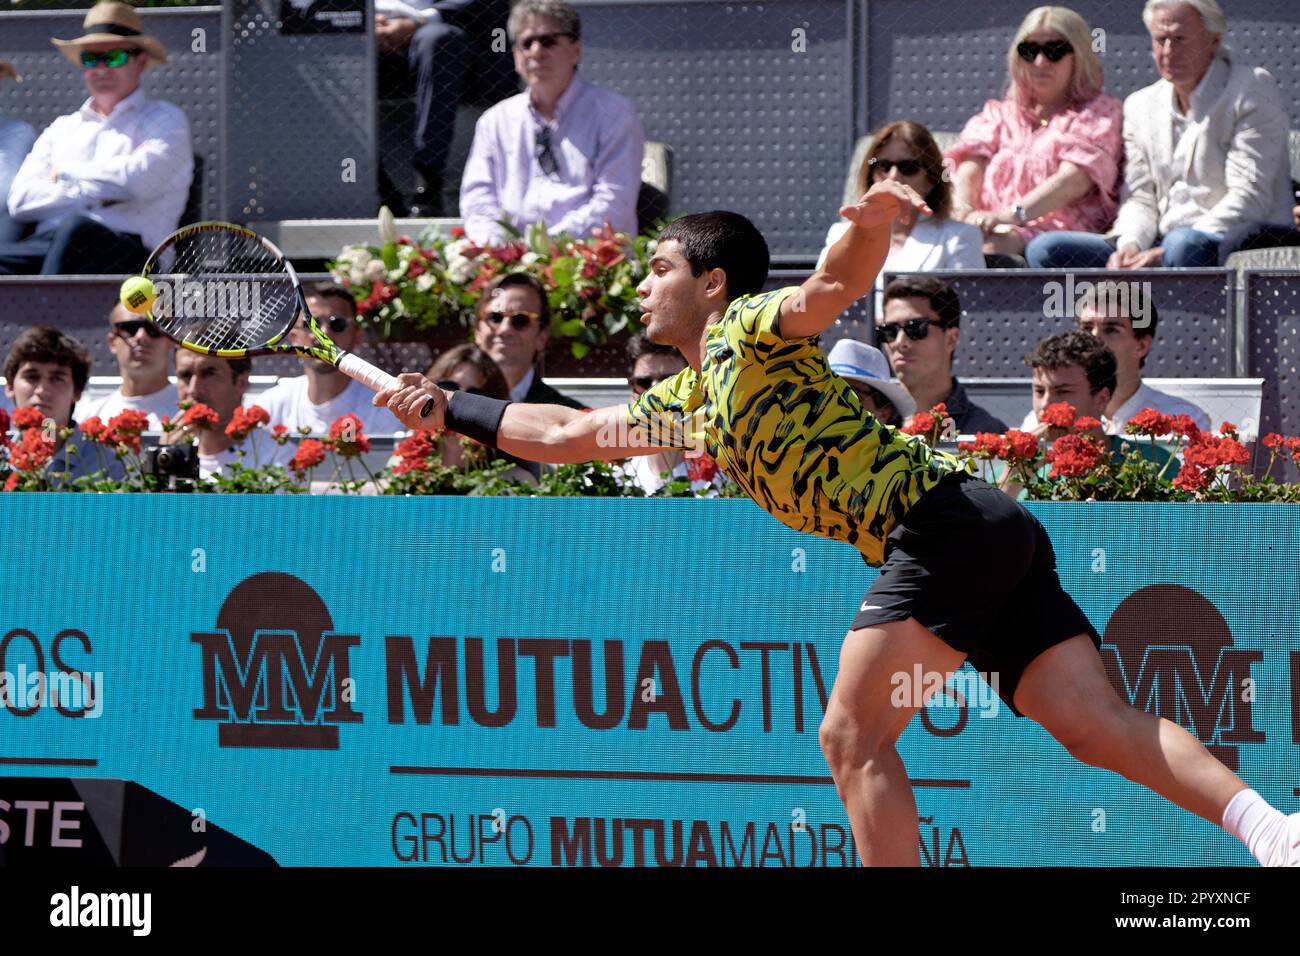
x: 113, y: 58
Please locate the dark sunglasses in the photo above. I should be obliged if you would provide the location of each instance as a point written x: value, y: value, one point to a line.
x: 518, y: 320
x: 547, y: 40
x: 447, y: 385
x: 649, y: 381
x: 915, y: 329
x: 1054, y: 50
x: 113, y: 58
x: 908, y: 167
x: 545, y: 156
x: 130, y: 327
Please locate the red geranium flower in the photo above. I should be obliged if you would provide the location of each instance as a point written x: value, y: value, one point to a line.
x: 1073, y: 456
x: 1086, y: 424
x: 93, y: 428
x: 702, y: 468
x: 347, y: 436
x: 12, y: 481
x: 245, y: 421
x: 28, y: 417
x: 32, y: 452
x: 124, y: 428
x: 1059, y: 415
x: 1273, y: 440
x: 1185, y: 426
x: 458, y: 232
x: 310, y: 453
x: 1021, y: 444
x: 1191, y: 478
x: 922, y: 424
x: 1150, y: 422
x: 200, y: 416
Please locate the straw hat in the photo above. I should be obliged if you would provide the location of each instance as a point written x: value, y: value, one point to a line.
x: 112, y: 22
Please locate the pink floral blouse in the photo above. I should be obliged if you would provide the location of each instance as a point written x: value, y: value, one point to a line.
x: 1021, y: 153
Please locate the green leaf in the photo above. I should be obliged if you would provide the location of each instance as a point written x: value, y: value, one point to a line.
x: 579, y: 349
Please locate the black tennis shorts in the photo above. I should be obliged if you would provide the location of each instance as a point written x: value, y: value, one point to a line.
x: 977, y: 569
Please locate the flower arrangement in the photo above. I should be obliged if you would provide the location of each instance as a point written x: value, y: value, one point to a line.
x: 1083, y: 467
x: 435, y: 280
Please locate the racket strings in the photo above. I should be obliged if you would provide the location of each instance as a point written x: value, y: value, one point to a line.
x: 224, y: 291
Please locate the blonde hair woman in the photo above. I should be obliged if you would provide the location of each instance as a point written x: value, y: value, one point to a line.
x: 1047, y: 155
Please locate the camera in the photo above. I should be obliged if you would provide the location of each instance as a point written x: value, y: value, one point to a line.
x: 169, y: 464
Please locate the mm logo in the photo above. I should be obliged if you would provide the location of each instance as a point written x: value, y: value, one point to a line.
x: 274, y: 673
x: 1168, y: 651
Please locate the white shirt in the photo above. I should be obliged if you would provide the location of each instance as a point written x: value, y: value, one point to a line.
x: 257, y: 450
x: 421, y: 10
x: 932, y: 244
x: 155, y: 404
x: 520, y: 391
x: 1144, y: 397
x: 1186, y: 204
x: 287, y: 403
x: 129, y: 171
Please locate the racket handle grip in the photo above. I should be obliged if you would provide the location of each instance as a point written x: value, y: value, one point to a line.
x: 373, y: 377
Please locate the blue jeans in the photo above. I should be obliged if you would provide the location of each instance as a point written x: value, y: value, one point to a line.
x: 1183, y: 248
x: 1257, y: 235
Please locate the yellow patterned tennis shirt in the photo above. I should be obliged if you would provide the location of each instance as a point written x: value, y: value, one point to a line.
x: 791, y: 432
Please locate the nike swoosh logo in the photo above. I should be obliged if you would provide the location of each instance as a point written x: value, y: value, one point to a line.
x: 871, y: 607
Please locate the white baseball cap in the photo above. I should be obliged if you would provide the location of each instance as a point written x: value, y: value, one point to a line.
x: 863, y: 363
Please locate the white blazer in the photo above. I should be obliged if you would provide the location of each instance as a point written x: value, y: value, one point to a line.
x: 1236, y: 166
x: 933, y: 244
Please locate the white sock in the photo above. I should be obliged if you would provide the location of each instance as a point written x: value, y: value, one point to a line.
x: 1251, y: 819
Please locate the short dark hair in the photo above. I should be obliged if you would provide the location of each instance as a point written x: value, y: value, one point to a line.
x: 238, y: 366
x: 1077, y: 348
x: 638, y: 345
x: 325, y: 289
x: 940, y: 295
x: 494, y: 380
x: 1103, y: 293
x: 44, y: 344
x: 723, y: 240
x: 522, y: 280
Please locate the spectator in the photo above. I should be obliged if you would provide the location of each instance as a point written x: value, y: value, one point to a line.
x: 1078, y: 369
x: 48, y: 371
x: 447, y: 47
x: 907, y: 152
x: 323, y: 394
x: 916, y: 306
x: 649, y: 364
x: 470, y: 368
x: 143, y: 356
x: 16, y: 139
x: 220, y: 384
x: 1254, y: 236
x: 1107, y: 311
x: 1205, y: 147
x: 1047, y: 156
x: 565, y: 152
x: 105, y: 184
x: 513, y: 326
x: 867, y: 372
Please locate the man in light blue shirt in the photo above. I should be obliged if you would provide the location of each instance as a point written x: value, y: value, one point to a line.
x: 565, y: 152
x: 16, y: 139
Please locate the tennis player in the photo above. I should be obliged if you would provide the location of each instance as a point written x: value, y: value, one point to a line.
x: 966, y: 572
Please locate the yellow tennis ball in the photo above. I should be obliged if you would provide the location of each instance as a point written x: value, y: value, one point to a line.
x: 138, y: 294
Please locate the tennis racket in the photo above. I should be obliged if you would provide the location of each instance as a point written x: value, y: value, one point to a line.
x: 223, y: 290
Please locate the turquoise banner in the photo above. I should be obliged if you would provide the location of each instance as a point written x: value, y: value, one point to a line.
x: 586, y: 682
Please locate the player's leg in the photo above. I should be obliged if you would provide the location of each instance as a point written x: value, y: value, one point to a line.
x: 1066, y: 690
x: 862, y: 724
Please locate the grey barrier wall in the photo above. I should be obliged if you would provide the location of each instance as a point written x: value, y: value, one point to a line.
x: 192, y: 78
x: 937, y: 62
x: 301, y: 140
x: 1273, y: 331
x: 757, y: 101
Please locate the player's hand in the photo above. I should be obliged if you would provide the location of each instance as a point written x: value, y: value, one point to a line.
x: 393, y: 34
x: 408, y: 400
x: 884, y: 202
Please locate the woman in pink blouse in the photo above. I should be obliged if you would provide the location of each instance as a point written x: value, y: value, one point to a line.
x: 1048, y: 155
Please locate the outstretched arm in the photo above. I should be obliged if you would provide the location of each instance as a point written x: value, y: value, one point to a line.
x: 552, y: 434
x: 853, y: 262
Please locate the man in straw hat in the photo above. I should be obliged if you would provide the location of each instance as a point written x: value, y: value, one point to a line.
x: 107, y: 183
x: 16, y: 138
